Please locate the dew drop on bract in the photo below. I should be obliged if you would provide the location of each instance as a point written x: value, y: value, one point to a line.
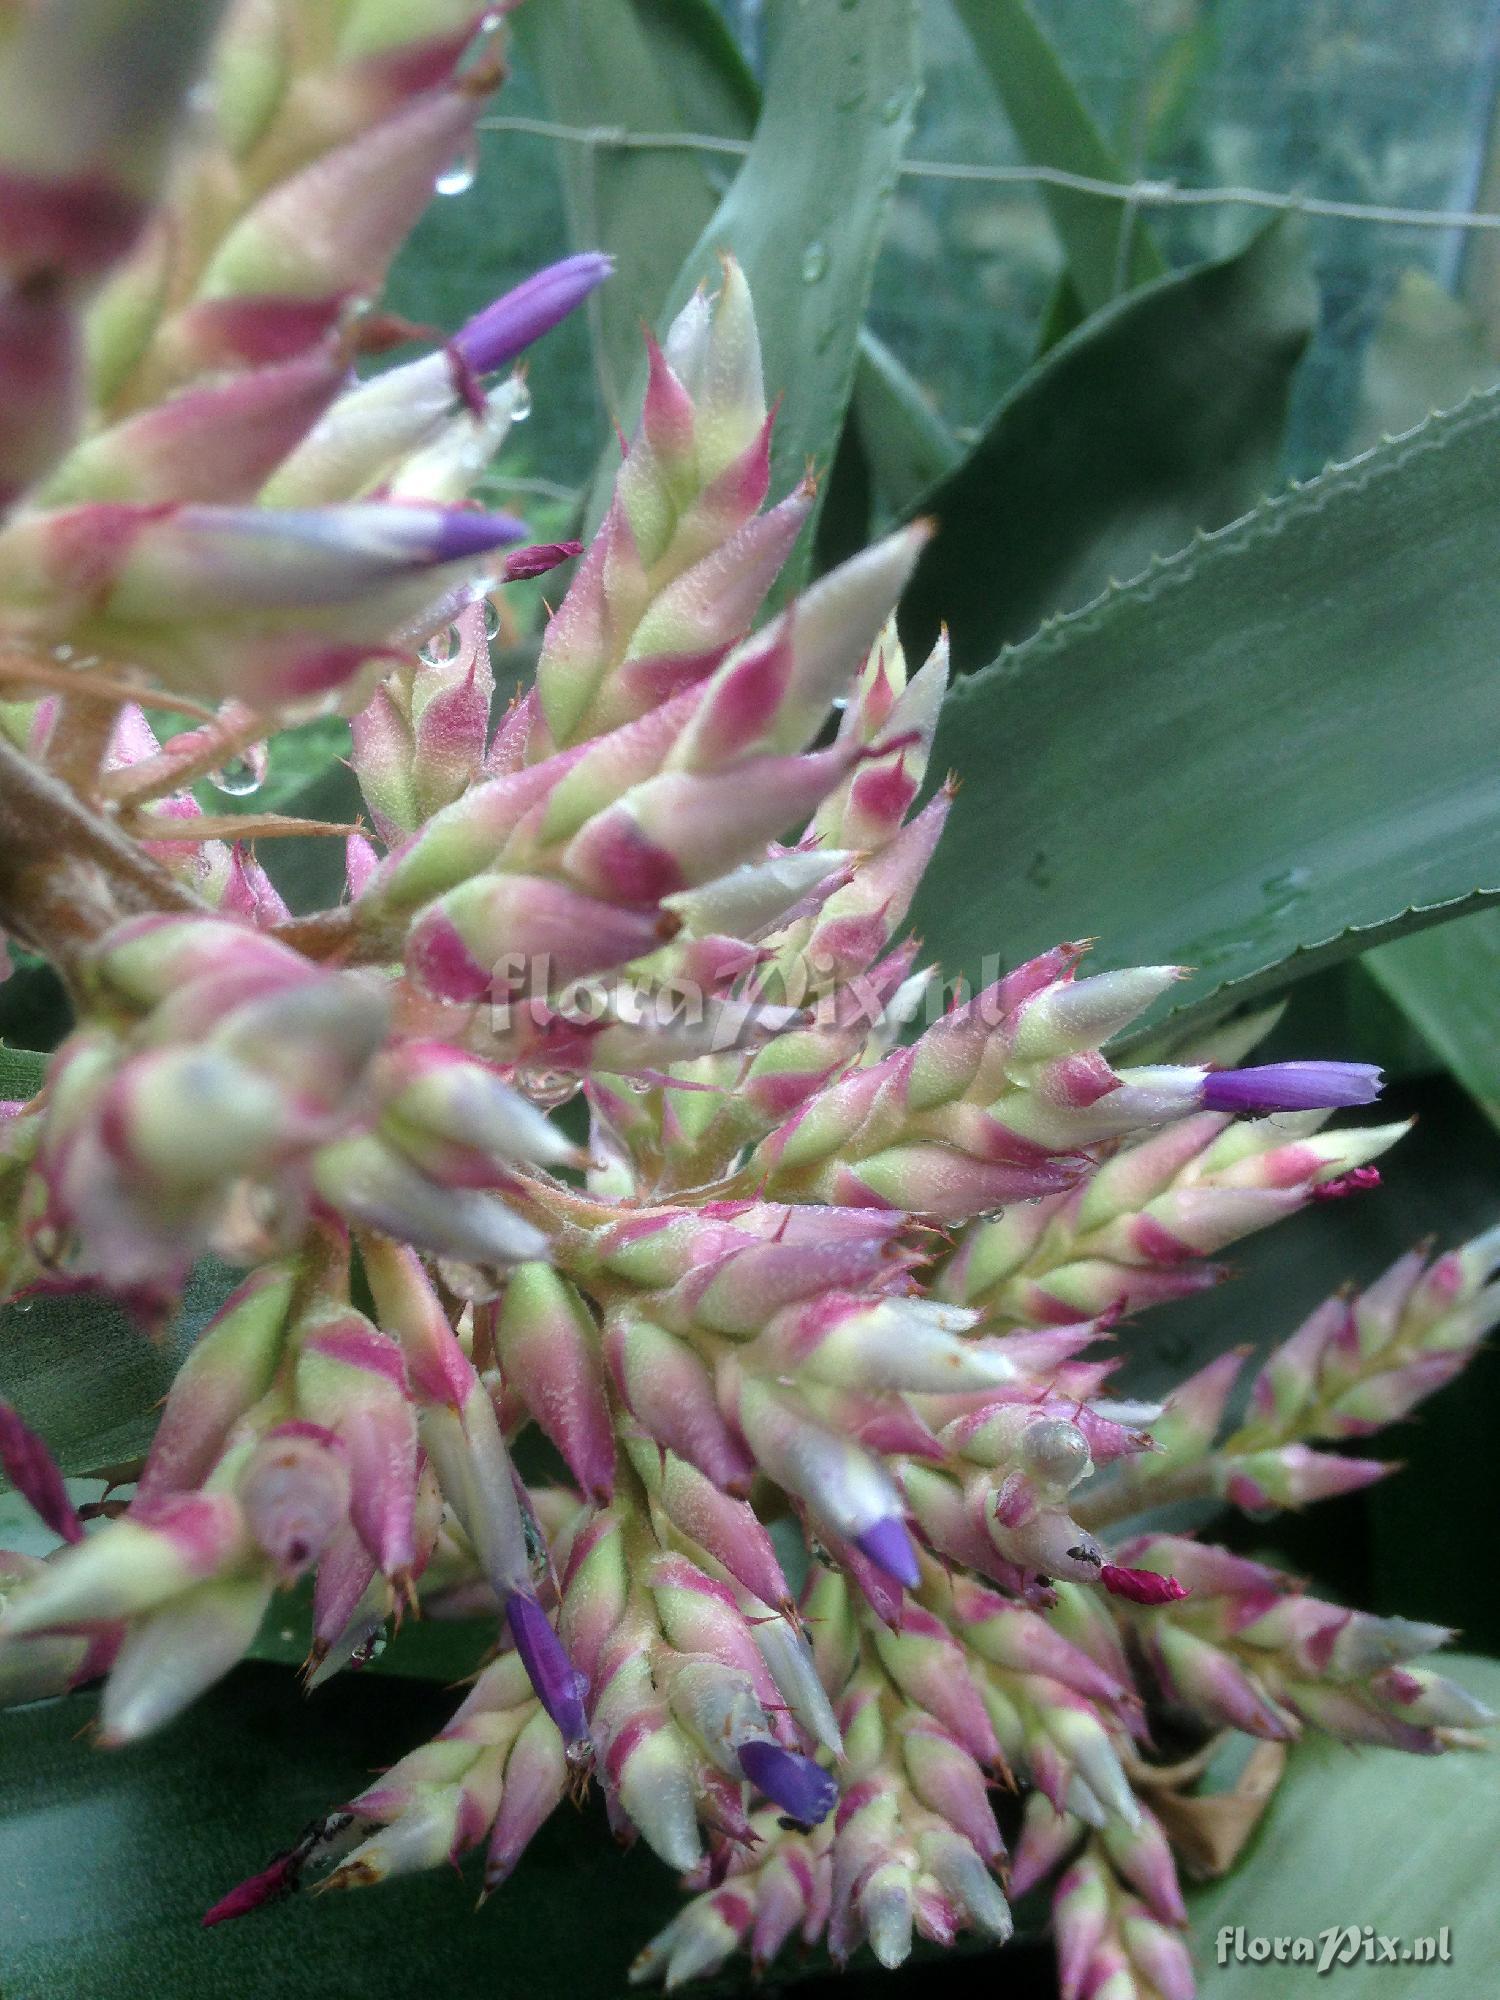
x: 814, y: 263
x: 239, y: 776
x: 458, y: 178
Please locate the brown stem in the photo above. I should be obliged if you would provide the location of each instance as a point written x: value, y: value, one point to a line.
x: 66, y: 875
x: 79, y: 738
x: 20, y: 670
x: 230, y: 826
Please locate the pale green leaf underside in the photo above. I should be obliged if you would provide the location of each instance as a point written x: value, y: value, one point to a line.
x: 1405, y: 1844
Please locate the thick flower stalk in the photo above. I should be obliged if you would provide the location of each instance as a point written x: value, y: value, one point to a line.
x: 823, y: 1263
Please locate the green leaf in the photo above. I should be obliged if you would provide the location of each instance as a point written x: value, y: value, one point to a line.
x: 906, y: 442
x: 1055, y: 130
x: 1447, y: 982
x: 1355, y: 1837
x: 308, y: 869
x: 1159, y: 416
x: 639, y: 66
x: 109, y: 1859
x: 1269, y: 752
x: 85, y: 1376
x: 805, y: 216
x: 21, y: 1073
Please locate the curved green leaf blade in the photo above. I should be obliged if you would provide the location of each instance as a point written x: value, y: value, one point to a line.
x: 1055, y: 130
x: 80, y: 1372
x: 107, y: 1862
x: 1356, y: 1837
x: 906, y: 442
x: 1269, y: 752
x: 1160, y: 416
x: 1447, y: 983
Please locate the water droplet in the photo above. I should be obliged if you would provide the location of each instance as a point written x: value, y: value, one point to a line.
x: 814, y: 263
x: 441, y: 647
x: 893, y: 107
x: 459, y: 177
x: 491, y: 619
x: 241, y: 775
x: 520, y: 400
x: 1290, y: 882
x: 548, y: 1087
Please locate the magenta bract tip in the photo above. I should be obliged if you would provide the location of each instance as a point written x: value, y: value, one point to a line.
x: 1141, y: 1586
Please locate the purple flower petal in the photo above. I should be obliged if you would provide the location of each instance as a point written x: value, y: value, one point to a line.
x: 462, y: 532
x: 559, y: 1687
x: 33, y: 1471
x: 1291, y: 1086
x: 499, y: 333
x: 889, y: 1547
x: 804, y: 1790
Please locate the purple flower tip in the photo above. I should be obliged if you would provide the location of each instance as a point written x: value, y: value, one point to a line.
x: 499, y: 333
x: 804, y: 1790
x: 889, y: 1547
x: 463, y: 533
x: 1291, y: 1086
x: 559, y: 1687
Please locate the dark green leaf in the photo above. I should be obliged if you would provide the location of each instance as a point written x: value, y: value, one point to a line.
x: 1447, y: 982
x: 906, y: 443
x: 1269, y: 752
x: 1355, y: 1837
x: 21, y: 1073
x: 1160, y: 416
x: 85, y: 1376
x: 107, y: 1861
x: 308, y: 869
x: 1054, y: 128
x: 423, y: 1649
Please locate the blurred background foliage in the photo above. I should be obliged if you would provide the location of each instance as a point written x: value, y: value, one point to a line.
x: 1369, y: 101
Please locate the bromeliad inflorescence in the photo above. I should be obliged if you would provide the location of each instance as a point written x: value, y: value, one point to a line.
x: 826, y: 1251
